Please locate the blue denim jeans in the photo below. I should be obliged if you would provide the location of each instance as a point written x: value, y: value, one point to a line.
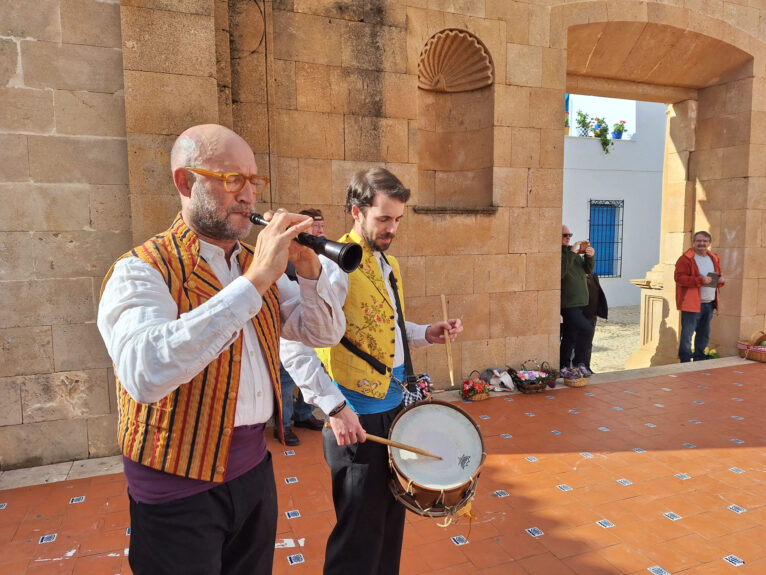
x: 297, y: 408
x: 698, y: 324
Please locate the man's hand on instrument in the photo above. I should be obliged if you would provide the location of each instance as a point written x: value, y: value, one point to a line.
x: 275, y: 244
x: 347, y: 428
x: 435, y: 331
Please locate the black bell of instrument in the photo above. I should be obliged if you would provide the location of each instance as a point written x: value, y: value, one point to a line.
x: 347, y: 256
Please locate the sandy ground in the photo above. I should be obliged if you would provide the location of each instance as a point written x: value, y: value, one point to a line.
x: 616, y: 339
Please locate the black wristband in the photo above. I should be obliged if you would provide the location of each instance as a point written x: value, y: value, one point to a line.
x: 337, y: 410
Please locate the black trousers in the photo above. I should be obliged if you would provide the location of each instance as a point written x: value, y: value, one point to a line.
x: 577, y: 335
x: 367, y: 538
x: 230, y: 529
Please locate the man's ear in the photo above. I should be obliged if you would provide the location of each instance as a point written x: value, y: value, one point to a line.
x: 356, y: 213
x: 183, y: 181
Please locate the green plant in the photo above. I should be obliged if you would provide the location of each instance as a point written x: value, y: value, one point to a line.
x: 583, y: 123
x: 601, y: 131
x: 566, y: 119
x: 619, y: 128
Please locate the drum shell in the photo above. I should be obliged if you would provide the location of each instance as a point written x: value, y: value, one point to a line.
x: 425, y: 500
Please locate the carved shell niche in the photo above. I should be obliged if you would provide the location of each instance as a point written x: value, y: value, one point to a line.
x: 454, y: 61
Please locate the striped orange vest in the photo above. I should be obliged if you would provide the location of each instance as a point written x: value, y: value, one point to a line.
x: 188, y: 432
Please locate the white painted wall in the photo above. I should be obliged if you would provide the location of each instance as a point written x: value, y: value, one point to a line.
x: 632, y: 172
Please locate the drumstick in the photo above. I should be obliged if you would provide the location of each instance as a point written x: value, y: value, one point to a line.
x: 398, y: 445
x: 447, y: 343
x: 384, y: 441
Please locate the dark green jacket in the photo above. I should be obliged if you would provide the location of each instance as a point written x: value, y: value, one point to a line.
x: 574, y: 284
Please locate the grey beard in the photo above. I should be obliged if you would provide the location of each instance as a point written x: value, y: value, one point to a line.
x: 203, y: 214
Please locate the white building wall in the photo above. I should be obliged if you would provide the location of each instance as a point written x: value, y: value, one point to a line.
x: 631, y: 172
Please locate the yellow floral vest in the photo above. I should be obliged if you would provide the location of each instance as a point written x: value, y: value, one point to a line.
x: 370, y: 325
x: 188, y: 432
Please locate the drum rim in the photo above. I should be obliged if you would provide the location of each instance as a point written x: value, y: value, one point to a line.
x: 401, y: 473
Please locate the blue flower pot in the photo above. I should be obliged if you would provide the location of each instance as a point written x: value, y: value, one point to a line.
x: 617, y: 135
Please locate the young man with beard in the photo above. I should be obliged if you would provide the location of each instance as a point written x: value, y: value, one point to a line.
x: 192, y: 320
x: 367, y: 538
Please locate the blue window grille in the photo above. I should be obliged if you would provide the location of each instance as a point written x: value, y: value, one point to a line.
x: 606, y: 236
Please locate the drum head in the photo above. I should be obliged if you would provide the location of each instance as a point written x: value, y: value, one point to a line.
x: 443, y: 430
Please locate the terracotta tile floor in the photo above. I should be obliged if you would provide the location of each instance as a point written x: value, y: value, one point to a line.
x: 662, y: 474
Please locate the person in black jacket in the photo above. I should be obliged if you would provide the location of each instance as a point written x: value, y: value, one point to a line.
x: 597, y: 308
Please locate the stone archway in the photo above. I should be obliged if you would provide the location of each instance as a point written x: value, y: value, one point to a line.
x: 709, y: 73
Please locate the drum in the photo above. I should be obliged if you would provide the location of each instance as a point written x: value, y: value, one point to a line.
x: 429, y: 486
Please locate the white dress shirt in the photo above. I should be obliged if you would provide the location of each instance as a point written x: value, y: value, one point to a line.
x: 154, y: 350
x: 302, y: 363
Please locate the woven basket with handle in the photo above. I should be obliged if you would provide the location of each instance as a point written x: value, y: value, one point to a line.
x: 751, y: 350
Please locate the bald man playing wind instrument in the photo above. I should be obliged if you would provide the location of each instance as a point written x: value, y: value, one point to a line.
x: 192, y: 320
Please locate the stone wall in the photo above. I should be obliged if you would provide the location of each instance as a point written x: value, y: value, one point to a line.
x: 64, y: 216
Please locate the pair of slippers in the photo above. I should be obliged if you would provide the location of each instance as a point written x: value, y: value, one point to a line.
x: 575, y: 372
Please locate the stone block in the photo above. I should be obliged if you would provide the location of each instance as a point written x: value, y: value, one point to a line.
x: 49, y: 207
x: 425, y: 234
x: 510, y: 313
x: 514, y: 14
x: 357, y: 92
x: 151, y: 215
x: 40, y: 255
x: 24, y: 110
x: 168, y: 103
x: 25, y: 351
x: 512, y: 106
x: 285, y: 88
x: 109, y: 208
x: 315, y: 182
x: 549, y: 300
x: 71, y: 67
x: 519, y: 349
x: 10, y: 398
x: 706, y: 164
x: 102, y: 436
x: 168, y: 42
x: 307, y: 38
x: 203, y: 7
x: 735, y: 162
x: 315, y: 86
x: 523, y: 235
x: 755, y: 289
x: 400, y: 96
x: 149, y: 164
x: 287, y: 181
x: 78, y: 160
x: 552, y: 149
x: 509, y: 187
x: 743, y: 18
x: 35, y: 444
x: 14, y: 161
x: 524, y: 65
x: 449, y: 275
x: 8, y: 60
x: 554, y: 68
x: 414, y: 274
x: 38, y: 20
x: 324, y: 139
x: 472, y: 309
x: 376, y: 139
x: 501, y: 151
x: 545, y: 108
x: 449, y: 151
x: 545, y: 188
x: 47, y: 302
x: 539, y: 25
x: 463, y: 188
x: 542, y: 269
x: 90, y: 22
x: 374, y: 47
x: 480, y: 355
x: 90, y: 113
x: 499, y: 273
x: 64, y: 395
x: 525, y: 148
x: 455, y: 112
x: 78, y: 347
x: 251, y: 121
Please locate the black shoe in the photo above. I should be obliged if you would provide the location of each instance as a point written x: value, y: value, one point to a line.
x: 311, y: 423
x: 290, y: 438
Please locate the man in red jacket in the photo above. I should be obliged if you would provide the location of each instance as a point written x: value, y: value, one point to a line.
x: 698, y: 277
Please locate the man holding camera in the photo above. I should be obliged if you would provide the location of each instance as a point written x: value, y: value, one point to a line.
x: 577, y: 329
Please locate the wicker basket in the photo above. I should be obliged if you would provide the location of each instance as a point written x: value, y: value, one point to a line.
x: 537, y: 385
x: 751, y: 349
x: 478, y: 397
x: 579, y: 382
